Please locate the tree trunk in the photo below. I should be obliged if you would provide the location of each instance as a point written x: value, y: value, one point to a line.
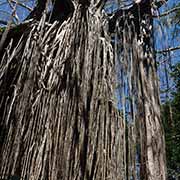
x: 152, y: 136
x: 58, y: 114
x: 138, y: 69
x: 59, y: 117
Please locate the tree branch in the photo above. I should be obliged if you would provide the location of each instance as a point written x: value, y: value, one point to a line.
x: 168, y: 12
x: 38, y: 10
x: 159, y: 4
x: 168, y: 50
x: 22, y: 5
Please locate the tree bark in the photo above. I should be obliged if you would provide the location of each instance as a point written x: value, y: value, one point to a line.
x: 153, y: 146
x: 134, y: 31
x: 58, y: 114
x: 59, y: 117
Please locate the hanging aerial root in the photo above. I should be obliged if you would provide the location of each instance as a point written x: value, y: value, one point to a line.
x: 59, y: 118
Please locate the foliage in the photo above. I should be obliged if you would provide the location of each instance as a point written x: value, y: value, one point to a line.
x: 2, y: 29
x: 171, y: 108
x: 171, y: 119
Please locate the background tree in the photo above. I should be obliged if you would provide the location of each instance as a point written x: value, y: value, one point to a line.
x: 172, y: 125
x: 168, y: 69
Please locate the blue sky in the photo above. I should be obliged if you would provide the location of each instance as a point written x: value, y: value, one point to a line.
x: 164, y: 29
x: 5, y: 10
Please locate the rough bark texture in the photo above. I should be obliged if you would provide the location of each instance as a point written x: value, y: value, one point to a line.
x: 153, y: 146
x: 137, y: 73
x: 59, y: 118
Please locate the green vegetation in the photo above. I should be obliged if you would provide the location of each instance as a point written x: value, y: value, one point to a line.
x: 171, y: 121
x: 2, y: 29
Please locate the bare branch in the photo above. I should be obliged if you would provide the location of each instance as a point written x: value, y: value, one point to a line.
x: 5, y: 33
x: 168, y: 50
x: 22, y: 5
x: 168, y: 12
x: 159, y: 3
